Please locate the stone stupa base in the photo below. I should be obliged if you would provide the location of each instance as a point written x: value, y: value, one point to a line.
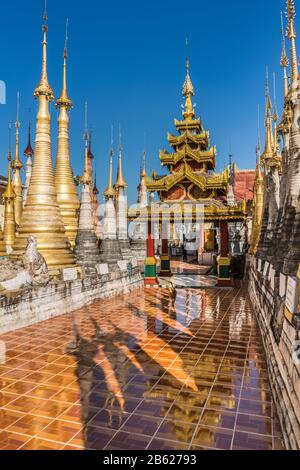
x: 86, y: 251
x: 110, y: 252
x: 126, y: 250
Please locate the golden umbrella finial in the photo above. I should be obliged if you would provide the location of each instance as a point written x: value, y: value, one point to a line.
x: 269, y: 142
x: 17, y: 164
x: 9, y: 192
x: 64, y: 100
x: 86, y: 176
x: 110, y: 192
x: 120, y: 182
x: 44, y: 88
x: 188, y: 89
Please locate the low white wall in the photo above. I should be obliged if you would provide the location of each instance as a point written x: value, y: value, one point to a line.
x: 42, y: 303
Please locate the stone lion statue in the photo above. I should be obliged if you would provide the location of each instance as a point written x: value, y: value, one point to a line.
x: 30, y: 271
x: 35, y: 264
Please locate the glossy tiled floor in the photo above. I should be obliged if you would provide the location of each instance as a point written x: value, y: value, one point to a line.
x: 156, y: 369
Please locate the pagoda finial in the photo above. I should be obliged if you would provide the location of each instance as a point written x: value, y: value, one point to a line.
x: 291, y: 34
x: 16, y: 164
x: 109, y: 193
x: 85, y: 179
x: 144, y: 163
x: 44, y: 88
x: 9, y: 192
x: 91, y: 156
x: 64, y: 100
x: 284, y: 62
x: 269, y: 143
x: 188, y: 90
x: 28, y: 152
x: 258, y: 149
x: 120, y: 182
x: 275, y: 115
x: 95, y: 189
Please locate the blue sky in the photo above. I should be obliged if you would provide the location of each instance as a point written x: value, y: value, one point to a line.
x: 127, y: 59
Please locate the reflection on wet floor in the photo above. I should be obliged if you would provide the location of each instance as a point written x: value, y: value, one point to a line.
x: 155, y: 369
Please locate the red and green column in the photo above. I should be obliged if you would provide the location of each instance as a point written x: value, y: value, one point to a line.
x: 165, y: 265
x: 224, y: 260
x: 150, y: 273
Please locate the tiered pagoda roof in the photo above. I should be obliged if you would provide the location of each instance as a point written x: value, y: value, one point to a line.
x: 191, y: 166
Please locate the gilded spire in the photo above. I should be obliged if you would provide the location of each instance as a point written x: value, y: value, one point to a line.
x: 44, y: 88
x: 64, y: 100
x: 188, y: 90
x: 275, y: 117
x: 284, y: 62
x: 258, y: 197
x: 142, y: 188
x: 291, y: 34
x: 17, y: 166
x: 85, y: 179
x: 110, y: 192
x: 120, y: 182
x: 269, y: 142
x: 258, y: 151
x: 9, y: 193
x: 9, y: 198
x: 143, y: 171
x: 67, y: 196
x: 41, y: 215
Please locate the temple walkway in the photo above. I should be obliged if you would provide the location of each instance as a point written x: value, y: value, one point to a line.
x: 156, y: 369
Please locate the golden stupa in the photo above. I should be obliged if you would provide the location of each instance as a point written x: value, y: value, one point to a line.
x: 67, y: 196
x: 41, y: 216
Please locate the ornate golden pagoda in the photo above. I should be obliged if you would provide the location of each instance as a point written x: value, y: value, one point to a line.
x: 67, y: 196
x: 41, y: 215
x: 17, y: 167
x: 9, y: 197
x: 191, y: 166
